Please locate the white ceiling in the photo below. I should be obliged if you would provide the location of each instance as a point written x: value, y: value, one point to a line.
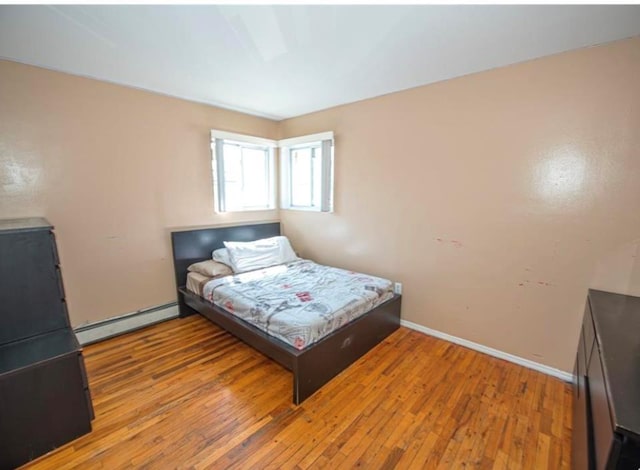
x: 284, y: 61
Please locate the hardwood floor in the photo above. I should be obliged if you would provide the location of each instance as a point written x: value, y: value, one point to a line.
x: 185, y: 394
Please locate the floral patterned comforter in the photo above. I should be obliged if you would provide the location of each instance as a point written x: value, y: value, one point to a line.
x: 300, y: 302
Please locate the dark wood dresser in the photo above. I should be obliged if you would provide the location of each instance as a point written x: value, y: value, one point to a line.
x: 44, y: 393
x: 606, y: 412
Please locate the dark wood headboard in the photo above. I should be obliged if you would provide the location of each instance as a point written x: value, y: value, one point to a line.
x: 191, y: 246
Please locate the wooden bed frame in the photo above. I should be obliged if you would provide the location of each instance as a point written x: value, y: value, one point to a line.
x: 313, y: 366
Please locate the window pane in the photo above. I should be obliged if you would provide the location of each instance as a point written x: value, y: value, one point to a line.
x: 307, y: 173
x: 317, y: 177
x: 255, y: 189
x: 246, y: 176
x: 302, y: 181
x: 232, y: 163
x: 233, y: 176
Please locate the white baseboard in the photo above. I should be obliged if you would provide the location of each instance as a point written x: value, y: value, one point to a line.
x: 104, y: 329
x: 560, y: 374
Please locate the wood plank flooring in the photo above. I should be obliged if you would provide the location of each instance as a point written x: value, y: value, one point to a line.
x: 185, y: 394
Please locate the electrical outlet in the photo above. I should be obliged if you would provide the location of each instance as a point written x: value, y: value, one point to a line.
x: 397, y: 288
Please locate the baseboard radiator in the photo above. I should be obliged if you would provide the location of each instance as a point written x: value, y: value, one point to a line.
x: 104, y: 329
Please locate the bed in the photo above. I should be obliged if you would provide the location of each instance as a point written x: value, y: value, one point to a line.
x: 312, y: 365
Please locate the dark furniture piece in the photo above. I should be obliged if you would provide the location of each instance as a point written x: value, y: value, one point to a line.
x: 313, y: 366
x: 606, y: 410
x: 44, y: 394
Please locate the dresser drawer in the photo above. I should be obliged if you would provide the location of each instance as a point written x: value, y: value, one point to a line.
x: 85, y: 384
x: 83, y: 371
x: 42, y: 408
x: 589, y: 333
x: 65, y: 310
x: 603, y: 435
x: 580, y: 432
x: 30, y: 290
x: 54, y: 248
x: 87, y: 396
x: 60, y: 283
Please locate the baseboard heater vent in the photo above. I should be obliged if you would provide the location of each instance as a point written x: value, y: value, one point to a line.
x: 101, y: 330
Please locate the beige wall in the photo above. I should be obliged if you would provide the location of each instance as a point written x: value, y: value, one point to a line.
x: 496, y: 198
x: 113, y: 169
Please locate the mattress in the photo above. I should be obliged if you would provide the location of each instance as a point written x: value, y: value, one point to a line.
x: 301, y: 302
x: 196, y: 282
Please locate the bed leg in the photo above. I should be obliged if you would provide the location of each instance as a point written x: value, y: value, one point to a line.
x: 308, y: 378
x: 296, y: 395
x: 300, y: 393
x: 183, y: 309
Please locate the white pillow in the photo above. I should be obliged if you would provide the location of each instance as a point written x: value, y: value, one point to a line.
x: 247, y: 256
x: 221, y: 255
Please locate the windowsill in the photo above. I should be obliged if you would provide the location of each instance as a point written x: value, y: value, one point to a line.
x: 250, y: 209
x: 305, y: 209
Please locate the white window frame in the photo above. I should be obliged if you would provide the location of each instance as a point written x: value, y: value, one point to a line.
x: 326, y: 142
x: 217, y: 141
